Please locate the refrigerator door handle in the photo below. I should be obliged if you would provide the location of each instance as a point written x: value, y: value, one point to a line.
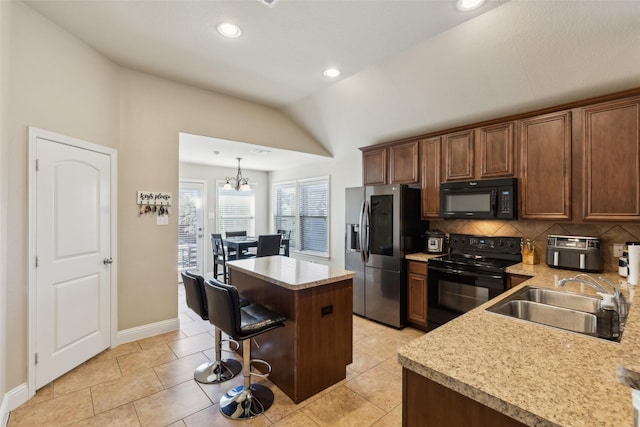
x: 361, y: 231
x: 364, y: 231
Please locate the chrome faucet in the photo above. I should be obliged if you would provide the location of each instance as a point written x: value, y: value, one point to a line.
x: 618, y: 297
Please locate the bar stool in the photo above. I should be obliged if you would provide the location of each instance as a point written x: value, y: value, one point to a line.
x: 242, y: 323
x: 218, y: 370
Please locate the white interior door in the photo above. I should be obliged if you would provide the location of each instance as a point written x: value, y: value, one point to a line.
x: 73, y: 250
x: 191, y: 230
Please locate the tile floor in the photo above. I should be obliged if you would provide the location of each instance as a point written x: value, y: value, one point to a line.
x: 150, y: 383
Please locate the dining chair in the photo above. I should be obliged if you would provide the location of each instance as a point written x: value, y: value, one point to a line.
x: 268, y: 244
x: 286, y: 234
x: 235, y: 233
x: 219, y: 257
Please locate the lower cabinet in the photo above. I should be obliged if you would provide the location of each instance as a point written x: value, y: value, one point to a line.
x: 426, y: 403
x: 417, y: 294
x: 514, y: 280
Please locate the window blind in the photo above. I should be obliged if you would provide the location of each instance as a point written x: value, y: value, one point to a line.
x: 236, y: 210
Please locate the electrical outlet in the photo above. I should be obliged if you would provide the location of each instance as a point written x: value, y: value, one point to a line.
x: 617, y: 249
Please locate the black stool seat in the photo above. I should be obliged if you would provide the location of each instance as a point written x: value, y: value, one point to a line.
x: 241, y: 324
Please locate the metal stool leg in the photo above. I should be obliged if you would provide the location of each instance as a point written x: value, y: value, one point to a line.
x: 219, y: 370
x: 248, y: 400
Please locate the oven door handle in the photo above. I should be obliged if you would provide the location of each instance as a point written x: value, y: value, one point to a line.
x: 465, y: 273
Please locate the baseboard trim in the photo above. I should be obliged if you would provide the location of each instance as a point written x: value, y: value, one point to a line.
x: 12, y: 400
x: 146, y: 331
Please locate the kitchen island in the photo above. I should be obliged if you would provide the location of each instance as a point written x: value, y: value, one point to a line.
x: 494, y: 370
x: 311, y: 352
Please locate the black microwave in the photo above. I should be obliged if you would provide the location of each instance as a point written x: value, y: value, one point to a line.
x: 481, y: 199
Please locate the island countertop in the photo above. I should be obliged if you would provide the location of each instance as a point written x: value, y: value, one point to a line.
x: 289, y: 272
x: 535, y: 374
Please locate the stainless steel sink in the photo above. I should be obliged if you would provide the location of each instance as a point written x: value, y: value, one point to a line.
x: 564, y: 310
x: 560, y: 299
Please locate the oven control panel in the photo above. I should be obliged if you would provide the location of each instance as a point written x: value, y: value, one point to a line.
x: 485, y: 243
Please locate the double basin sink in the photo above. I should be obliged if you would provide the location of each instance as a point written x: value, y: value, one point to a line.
x: 564, y: 310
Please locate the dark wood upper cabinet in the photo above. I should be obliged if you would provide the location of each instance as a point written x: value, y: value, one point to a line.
x: 404, y: 163
x: 611, y: 161
x: 458, y: 155
x: 495, y: 149
x: 545, y: 184
x: 374, y: 166
x: 431, y: 177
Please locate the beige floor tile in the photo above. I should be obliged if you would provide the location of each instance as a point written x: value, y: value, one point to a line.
x: 123, y: 416
x: 343, y: 407
x: 60, y: 411
x: 392, y: 365
x: 195, y: 328
x: 122, y: 349
x: 161, y: 339
x: 94, y: 371
x: 45, y: 393
x: 365, y: 359
x: 180, y: 370
x: 171, y: 405
x: 178, y: 423
x: 192, y: 344
x: 392, y: 419
x: 380, y: 387
x: 154, y: 356
x: 212, y: 416
x: 127, y: 389
x: 297, y: 419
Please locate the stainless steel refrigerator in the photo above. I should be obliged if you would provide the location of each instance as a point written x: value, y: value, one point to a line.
x: 382, y: 225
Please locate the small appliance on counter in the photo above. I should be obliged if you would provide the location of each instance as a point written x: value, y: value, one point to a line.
x: 574, y: 253
x: 436, y: 242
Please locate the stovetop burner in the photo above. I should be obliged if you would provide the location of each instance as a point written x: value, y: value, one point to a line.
x: 480, y: 253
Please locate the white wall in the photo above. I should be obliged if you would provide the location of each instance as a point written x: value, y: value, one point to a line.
x: 211, y: 174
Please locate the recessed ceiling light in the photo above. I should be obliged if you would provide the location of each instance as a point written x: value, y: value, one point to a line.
x: 332, y: 73
x: 230, y: 30
x: 466, y: 5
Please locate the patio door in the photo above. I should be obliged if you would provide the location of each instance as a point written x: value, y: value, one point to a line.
x: 191, y: 229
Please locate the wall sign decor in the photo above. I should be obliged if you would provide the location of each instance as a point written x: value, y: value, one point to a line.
x: 154, y: 202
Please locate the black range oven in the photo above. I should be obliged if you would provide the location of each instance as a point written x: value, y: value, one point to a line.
x: 470, y: 275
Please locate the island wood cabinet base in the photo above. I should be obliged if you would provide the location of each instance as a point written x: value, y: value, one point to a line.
x: 426, y: 403
x: 312, y: 351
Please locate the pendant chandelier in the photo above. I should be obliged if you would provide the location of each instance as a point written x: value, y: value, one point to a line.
x: 238, y: 183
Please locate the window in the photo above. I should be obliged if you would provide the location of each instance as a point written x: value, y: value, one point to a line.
x: 303, y: 208
x: 236, y: 209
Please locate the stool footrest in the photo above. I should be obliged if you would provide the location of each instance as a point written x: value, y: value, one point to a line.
x: 258, y: 373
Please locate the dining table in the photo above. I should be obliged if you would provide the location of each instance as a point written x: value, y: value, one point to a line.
x: 241, y: 244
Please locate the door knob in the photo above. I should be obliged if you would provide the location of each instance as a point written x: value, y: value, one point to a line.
x: 107, y: 260
x: 200, y: 236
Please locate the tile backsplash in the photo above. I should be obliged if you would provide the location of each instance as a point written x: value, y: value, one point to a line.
x: 537, y: 231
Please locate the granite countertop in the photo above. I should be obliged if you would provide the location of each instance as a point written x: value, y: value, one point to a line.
x: 289, y: 272
x: 536, y: 374
x: 421, y: 256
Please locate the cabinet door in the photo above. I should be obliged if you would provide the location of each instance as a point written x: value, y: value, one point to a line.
x: 403, y: 163
x: 374, y: 166
x: 495, y: 148
x: 611, y: 153
x: 430, y: 162
x: 458, y: 155
x: 417, y: 294
x: 545, y: 185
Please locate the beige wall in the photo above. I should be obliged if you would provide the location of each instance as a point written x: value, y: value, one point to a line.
x: 60, y: 84
x: 5, y: 9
